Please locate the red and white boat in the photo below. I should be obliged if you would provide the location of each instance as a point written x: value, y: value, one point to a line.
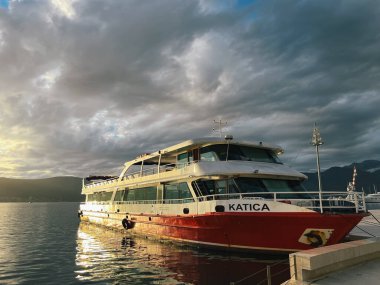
x: 221, y: 193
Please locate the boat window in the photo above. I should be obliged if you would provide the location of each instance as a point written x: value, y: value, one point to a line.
x: 182, y: 159
x: 251, y: 185
x: 106, y: 196
x: 238, y: 152
x: 277, y: 185
x: 184, y: 190
x: 204, y: 187
x: 141, y: 194
x: 247, y: 185
x: 177, y: 191
x: 221, y: 186
x: 119, y: 195
x: 150, y: 193
x: 213, y: 152
x: 99, y: 197
x: 170, y: 191
x: 190, y: 153
x: 214, y: 187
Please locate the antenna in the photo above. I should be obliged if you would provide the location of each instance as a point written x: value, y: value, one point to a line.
x: 219, y: 127
x: 316, y: 140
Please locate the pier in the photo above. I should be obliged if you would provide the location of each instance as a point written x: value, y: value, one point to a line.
x: 352, y: 262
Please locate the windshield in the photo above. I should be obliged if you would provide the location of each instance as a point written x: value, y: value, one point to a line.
x: 261, y: 187
x: 238, y: 152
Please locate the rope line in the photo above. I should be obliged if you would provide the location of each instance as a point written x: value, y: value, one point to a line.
x: 365, y: 231
x: 262, y: 270
x: 374, y: 217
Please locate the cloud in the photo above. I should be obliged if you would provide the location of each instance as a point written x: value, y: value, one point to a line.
x: 85, y: 85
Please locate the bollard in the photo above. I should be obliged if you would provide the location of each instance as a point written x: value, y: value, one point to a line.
x: 269, y: 275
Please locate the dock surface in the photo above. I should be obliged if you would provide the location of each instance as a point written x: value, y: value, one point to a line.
x: 355, y: 262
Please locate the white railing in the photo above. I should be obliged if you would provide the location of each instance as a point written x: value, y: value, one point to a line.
x: 145, y: 172
x: 98, y: 183
x: 312, y: 200
x: 156, y: 170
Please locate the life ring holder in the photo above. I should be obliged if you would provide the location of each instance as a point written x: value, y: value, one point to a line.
x: 315, y: 239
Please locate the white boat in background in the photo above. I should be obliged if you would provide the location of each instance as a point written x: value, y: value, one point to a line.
x: 373, y: 200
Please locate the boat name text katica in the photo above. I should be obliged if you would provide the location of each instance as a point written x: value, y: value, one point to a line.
x: 248, y: 207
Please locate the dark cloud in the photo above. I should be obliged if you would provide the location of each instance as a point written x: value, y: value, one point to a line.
x: 87, y: 85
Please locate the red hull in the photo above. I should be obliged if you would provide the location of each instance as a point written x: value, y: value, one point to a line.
x: 259, y: 231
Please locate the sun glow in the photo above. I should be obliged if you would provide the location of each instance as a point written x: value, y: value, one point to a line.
x: 65, y: 7
x: 11, y: 152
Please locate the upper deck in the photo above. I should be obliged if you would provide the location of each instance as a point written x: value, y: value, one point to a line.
x: 201, y: 157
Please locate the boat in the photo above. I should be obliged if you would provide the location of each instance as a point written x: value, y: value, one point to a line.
x: 222, y: 193
x: 373, y: 200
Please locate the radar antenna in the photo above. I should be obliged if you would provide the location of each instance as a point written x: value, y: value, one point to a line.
x: 219, y: 127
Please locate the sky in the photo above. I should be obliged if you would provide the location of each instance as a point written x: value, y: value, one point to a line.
x: 86, y: 85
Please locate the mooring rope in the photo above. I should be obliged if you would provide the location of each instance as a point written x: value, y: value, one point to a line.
x: 262, y: 270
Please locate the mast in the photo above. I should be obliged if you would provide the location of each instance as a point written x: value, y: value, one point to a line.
x: 316, y: 141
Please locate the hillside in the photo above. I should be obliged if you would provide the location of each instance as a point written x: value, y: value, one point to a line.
x: 66, y: 189
x: 337, y: 178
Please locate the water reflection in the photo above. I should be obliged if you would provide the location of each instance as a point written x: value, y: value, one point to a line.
x: 106, y: 256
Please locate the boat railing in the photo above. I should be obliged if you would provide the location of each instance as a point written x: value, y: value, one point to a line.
x: 164, y: 201
x: 327, y: 202
x: 142, y: 173
x: 99, y: 183
x: 321, y: 201
x: 156, y: 170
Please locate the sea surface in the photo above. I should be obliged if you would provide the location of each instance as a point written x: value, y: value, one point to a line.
x: 44, y: 243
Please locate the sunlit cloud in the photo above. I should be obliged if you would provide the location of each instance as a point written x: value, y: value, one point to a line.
x: 65, y: 7
x: 48, y: 79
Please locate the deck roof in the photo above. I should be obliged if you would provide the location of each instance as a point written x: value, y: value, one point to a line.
x: 168, y: 155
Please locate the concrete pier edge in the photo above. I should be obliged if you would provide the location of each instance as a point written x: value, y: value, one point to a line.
x: 309, y: 265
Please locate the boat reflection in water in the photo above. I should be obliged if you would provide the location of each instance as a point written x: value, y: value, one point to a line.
x: 107, y: 256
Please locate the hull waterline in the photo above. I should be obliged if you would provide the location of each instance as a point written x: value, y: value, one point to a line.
x: 272, y: 232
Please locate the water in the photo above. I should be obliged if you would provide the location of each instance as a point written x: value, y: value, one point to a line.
x: 44, y: 243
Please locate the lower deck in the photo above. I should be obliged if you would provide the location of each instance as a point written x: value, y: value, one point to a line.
x: 254, y: 225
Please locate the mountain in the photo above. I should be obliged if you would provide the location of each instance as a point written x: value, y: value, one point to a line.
x: 337, y: 178
x: 367, y: 165
x: 55, y: 189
